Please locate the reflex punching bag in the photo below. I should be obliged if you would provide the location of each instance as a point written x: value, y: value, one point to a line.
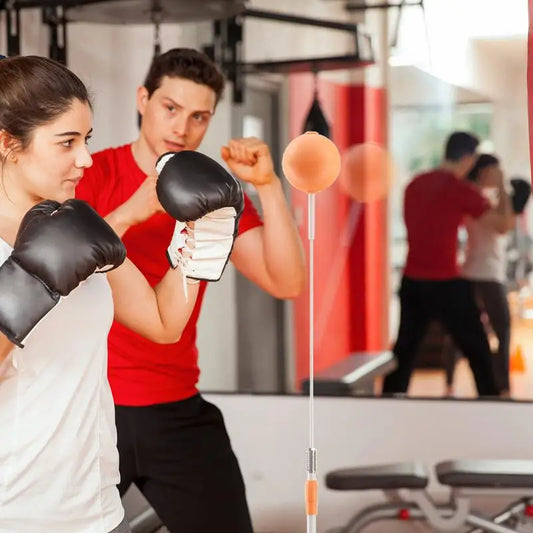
x: 315, y: 120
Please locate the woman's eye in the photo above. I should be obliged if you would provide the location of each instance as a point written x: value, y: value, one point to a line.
x: 171, y: 108
x: 67, y: 144
x: 88, y: 138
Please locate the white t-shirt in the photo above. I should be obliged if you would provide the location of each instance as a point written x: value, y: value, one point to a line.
x: 58, y: 455
x: 485, y: 253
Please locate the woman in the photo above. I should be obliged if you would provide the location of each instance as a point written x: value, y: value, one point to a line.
x: 58, y: 457
x: 485, y: 264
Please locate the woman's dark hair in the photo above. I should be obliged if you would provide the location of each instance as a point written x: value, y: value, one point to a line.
x: 184, y: 63
x: 34, y: 91
x: 483, y: 161
x: 520, y: 194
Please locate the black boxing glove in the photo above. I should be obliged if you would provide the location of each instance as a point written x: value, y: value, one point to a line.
x: 192, y: 187
x: 521, y: 191
x: 57, y: 247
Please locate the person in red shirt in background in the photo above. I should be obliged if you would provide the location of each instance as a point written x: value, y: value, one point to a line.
x: 172, y: 443
x: 435, y: 203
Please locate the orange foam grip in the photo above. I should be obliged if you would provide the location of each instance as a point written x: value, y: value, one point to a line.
x: 311, y: 497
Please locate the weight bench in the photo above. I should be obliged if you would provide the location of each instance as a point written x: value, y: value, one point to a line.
x: 352, y: 376
x: 405, y: 486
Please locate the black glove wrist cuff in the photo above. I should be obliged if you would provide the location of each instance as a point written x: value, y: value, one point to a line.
x: 24, y: 301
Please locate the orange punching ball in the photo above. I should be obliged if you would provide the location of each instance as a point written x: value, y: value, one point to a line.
x: 311, y: 162
x: 367, y: 172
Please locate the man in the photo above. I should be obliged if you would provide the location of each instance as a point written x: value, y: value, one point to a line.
x: 434, y: 206
x: 173, y: 444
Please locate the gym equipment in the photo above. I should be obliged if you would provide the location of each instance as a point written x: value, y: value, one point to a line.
x: 353, y: 376
x: 227, y: 42
x: 367, y: 172
x: 405, y: 486
x: 311, y: 162
x: 315, y: 119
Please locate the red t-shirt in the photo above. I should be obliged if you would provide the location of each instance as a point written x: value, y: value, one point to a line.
x: 140, y: 371
x: 434, y: 206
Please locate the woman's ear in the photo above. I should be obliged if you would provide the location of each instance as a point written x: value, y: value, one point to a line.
x: 4, y: 144
x: 8, y: 146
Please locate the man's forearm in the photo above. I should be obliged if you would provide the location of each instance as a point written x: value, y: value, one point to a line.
x: 504, y: 210
x: 118, y: 222
x: 283, y: 249
x: 505, y: 206
x: 504, y: 201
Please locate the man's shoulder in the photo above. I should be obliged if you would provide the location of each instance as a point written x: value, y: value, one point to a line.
x: 432, y: 178
x: 419, y: 180
x: 434, y: 174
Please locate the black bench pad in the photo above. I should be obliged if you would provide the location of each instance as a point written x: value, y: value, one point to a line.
x: 486, y: 473
x: 345, y: 377
x: 391, y: 476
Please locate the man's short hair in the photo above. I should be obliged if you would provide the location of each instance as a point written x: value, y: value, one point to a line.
x: 460, y: 144
x: 185, y: 63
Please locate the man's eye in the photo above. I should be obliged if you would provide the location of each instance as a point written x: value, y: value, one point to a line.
x: 171, y: 108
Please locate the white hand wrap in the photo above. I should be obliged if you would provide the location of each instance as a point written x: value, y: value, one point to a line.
x: 202, y: 251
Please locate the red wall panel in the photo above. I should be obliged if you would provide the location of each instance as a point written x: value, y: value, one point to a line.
x: 530, y: 82
x: 351, y: 267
